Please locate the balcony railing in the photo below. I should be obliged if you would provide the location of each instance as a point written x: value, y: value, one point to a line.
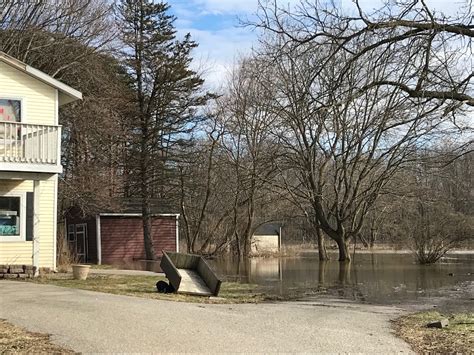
x: 29, y: 143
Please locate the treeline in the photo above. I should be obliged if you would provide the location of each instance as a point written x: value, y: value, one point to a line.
x: 343, y: 127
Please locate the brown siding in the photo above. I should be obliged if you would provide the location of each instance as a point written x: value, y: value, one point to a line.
x: 75, y: 217
x: 91, y: 241
x: 122, y: 237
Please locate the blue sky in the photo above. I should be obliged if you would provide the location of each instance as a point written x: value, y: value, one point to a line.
x: 214, y: 24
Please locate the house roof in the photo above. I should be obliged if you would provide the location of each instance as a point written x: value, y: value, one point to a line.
x: 66, y: 93
x: 268, y: 229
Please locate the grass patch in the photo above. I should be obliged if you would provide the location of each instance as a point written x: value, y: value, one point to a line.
x: 15, y: 340
x: 144, y: 286
x: 457, y: 337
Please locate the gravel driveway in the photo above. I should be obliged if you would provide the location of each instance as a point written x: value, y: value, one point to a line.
x: 97, y: 322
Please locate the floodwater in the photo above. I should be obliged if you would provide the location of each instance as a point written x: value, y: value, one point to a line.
x: 382, y: 277
x: 370, y: 277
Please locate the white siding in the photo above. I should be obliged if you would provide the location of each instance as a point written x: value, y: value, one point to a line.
x: 39, y: 99
x: 22, y: 252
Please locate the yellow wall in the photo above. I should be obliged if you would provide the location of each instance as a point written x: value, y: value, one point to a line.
x: 22, y: 252
x: 264, y: 243
x: 39, y: 99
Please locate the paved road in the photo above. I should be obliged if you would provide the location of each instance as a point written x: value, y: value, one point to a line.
x: 97, y: 322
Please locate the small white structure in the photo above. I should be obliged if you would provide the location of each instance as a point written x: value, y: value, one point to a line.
x: 266, y: 239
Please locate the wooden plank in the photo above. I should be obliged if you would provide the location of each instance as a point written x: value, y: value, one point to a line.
x: 190, y: 274
x: 192, y: 283
x: 171, y: 272
x: 184, y: 261
x: 209, y: 277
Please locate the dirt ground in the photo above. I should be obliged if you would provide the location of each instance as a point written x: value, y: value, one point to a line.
x: 457, y: 337
x: 456, y: 305
x: 15, y: 340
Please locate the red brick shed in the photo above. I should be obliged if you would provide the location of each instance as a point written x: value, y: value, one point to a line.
x: 110, y: 238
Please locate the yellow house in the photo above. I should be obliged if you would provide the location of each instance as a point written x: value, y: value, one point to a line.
x: 30, y: 151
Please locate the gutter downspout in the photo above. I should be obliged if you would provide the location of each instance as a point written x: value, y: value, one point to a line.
x: 177, y: 233
x: 279, y: 239
x: 99, y: 239
x: 36, y: 221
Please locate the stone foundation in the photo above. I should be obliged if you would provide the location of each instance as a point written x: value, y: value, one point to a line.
x: 17, y: 271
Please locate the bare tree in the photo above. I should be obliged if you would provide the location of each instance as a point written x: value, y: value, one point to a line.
x: 94, y: 136
x: 198, y: 199
x: 436, y: 46
x: 344, y: 144
x: 226, y: 191
x: 435, y: 212
x: 352, y: 113
x: 250, y: 145
x: 34, y: 30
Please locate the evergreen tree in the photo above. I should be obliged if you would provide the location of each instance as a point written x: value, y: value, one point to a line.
x: 168, y: 96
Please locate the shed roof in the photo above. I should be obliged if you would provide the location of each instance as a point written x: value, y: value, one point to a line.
x: 124, y: 207
x: 66, y: 93
x: 268, y: 229
x: 133, y: 205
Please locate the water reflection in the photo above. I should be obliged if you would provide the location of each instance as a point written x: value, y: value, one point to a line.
x: 370, y: 277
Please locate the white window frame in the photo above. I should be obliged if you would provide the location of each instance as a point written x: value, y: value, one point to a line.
x: 71, y: 230
x: 22, y: 236
x: 22, y: 106
x: 84, y: 231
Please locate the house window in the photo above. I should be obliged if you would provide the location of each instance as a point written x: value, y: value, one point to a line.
x: 10, y: 211
x: 10, y: 110
x: 71, y: 233
x: 77, y: 238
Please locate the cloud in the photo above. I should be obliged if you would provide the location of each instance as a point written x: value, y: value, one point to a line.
x: 214, y: 25
x: 218, y: 51
x: 233, y: 6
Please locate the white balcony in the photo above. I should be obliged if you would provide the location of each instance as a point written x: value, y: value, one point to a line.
x: 30, y: 147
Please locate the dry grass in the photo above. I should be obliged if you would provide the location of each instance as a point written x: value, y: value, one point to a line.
x: 15, y: 340
x: 66, y: 257
x: 144, y: 286
x: 458, y: 337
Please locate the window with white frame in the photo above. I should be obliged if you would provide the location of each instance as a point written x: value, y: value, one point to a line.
x: 16, y: 216
x: 71, y: 233
x: 10, y: 110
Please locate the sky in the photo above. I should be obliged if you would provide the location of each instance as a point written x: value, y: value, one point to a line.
x: 216, y: 26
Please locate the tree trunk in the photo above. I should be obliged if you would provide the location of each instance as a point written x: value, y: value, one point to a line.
x: 373, y: 237
x: 150, y: 253
x: 322, y: 272
x: 344, y: 273
x: 344, y: 254
x: 248, y: 230
x: 322, y: 252
x: 363, y: 240
x: 146, y: 211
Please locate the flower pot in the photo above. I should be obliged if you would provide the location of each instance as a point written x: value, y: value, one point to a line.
x: 80, y: 272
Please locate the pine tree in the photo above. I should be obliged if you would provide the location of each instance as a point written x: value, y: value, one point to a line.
x: 167, y: 101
